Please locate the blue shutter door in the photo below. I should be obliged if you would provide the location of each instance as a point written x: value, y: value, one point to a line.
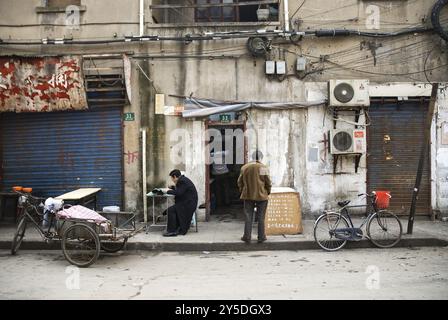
x: 58, y: 152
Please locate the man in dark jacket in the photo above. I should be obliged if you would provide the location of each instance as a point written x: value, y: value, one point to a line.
x: 185, y: 204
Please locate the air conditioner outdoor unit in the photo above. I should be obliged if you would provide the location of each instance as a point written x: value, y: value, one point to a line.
x: 348, y: 93
x: 347, y: 141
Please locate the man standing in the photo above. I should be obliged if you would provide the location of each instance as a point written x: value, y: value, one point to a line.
x: 185, y: 204
x: 254, y: 184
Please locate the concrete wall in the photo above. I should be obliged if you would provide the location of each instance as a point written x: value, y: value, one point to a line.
x: 227, y: 71
x: 441, y: 155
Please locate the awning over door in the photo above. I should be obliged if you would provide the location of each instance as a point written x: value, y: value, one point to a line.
x: 206, y: 107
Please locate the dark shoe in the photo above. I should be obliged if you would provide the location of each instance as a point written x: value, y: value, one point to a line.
x: 261, y: 240
x: 170, y: 234
x: 245, y: 240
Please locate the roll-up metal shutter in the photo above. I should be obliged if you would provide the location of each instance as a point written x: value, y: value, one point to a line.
x: 395, y: 138
x: 58, y: 152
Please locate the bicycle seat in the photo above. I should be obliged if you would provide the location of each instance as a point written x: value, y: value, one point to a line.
x: 343, y: 203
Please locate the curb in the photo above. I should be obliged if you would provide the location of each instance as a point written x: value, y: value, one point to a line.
x: 233, y: 246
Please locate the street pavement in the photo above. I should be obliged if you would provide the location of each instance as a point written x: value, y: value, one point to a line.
x: 397, y: 273
x: 224, y: 235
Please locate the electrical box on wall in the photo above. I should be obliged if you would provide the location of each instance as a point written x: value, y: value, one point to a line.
x: 301, y: 64
x: 350, y: 93
x: 347, y: 141
x: 281, y: 67
x: 270, y: 67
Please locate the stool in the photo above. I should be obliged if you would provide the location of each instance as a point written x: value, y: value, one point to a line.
x: 194, y: 220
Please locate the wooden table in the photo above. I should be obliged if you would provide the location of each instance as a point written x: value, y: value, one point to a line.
x: 82, y: 196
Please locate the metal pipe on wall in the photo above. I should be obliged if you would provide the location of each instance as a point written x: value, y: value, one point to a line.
x: 141, y: 16
x: 286, y: 14
x: 144, y: 178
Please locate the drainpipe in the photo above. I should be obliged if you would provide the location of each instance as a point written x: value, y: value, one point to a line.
x: 141, y: 15
x: 286, y: 16
x: 145, y: 205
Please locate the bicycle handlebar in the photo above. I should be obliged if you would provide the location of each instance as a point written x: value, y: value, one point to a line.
x: 367, y: 195
x: 33, y: 198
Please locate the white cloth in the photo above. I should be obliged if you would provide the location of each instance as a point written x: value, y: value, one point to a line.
x: 53, y: 205
x: 219, y: 168
x: 81, y: 212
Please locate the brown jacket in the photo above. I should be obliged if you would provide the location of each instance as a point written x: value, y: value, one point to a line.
x: 254, y: 182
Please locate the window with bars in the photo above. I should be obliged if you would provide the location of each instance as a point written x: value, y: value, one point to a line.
x: 214, y: 11
x: 235, y: 11
x: 62, y: 3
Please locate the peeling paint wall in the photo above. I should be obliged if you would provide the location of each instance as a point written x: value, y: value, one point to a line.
x: 41, y: 84
x: 280, y: 136
x: 441, y: 156
x: 195, y: 157
x: 324, y: 188
x: 229, y: 72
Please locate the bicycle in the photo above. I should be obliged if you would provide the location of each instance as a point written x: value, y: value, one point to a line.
x: 32, y: 211
x: 334, y: 228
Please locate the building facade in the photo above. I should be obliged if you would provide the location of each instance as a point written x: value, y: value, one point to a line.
x: 146, y: 64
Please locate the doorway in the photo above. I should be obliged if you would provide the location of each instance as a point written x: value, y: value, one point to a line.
x: 226, y: 151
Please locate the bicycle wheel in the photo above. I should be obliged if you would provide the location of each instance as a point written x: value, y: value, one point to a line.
x: 80, y: 245
x: 113, y: 246
x: 324, y: 231
x: 18, y: 236
x: 384, y: 229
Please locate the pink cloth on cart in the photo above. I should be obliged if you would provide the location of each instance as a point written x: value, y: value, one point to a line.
x: 81, y: 212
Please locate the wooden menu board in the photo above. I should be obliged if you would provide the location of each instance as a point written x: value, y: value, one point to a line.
x: 283, y: 214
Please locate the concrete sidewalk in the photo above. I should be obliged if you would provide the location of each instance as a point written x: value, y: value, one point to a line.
x: 225, y: 235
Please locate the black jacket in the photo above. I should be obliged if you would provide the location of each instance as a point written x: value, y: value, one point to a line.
x: 185, y: 200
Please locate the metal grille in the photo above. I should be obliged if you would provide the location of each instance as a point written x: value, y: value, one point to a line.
x: 394, y: 144
x: 58, y: 152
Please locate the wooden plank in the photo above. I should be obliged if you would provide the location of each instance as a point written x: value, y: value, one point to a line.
x: 245, y: 3
x: 102, y: 79
x: 117, y: 89
x: 78, y: 194
x: 104, y: 68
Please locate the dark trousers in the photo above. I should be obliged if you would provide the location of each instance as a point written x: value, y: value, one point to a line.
x: 173, y: 223
x: 249, y: 206
x: 222, y: 187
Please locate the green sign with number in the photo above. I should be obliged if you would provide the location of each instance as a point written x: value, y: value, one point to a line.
x: 225, y: 117
x: 129, y: 116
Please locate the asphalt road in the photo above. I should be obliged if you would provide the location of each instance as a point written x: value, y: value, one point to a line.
x: 401, y: 273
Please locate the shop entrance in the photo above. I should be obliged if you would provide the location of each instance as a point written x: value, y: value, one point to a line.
x: 227, y: 154
x: 394, y: 146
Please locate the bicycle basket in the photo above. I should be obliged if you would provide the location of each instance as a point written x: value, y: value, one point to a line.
x: 382, y: 199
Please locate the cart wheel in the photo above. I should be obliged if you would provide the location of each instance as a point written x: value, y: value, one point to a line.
x: 80, y: 245
x: 18, y: 236
x: 113, y: 246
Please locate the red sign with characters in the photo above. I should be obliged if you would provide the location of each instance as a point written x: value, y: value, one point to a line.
x: 30, y: 84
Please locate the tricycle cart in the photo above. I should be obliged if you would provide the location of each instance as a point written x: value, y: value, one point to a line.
x: 82, y: 232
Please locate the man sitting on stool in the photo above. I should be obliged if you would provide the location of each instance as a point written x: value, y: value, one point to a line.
x: 185, y: 204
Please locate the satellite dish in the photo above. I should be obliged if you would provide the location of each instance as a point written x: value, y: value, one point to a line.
x: 343, y: 92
